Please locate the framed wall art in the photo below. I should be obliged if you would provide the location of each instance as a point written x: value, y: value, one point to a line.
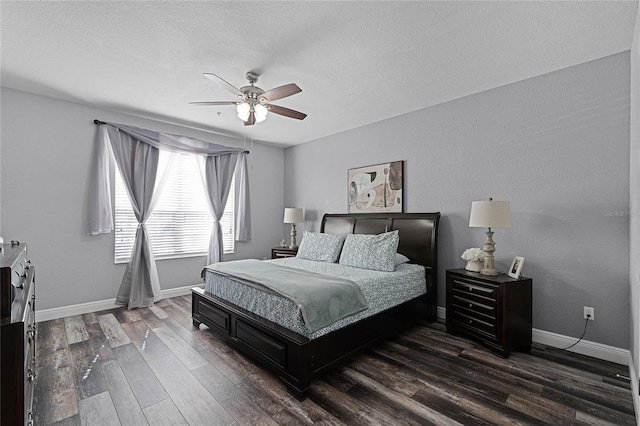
x: 377, y: 188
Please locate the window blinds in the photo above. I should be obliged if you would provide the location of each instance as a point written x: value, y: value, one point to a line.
x: 180, y: 225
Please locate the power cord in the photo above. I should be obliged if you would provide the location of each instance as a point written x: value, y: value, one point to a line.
x: 586, y: 321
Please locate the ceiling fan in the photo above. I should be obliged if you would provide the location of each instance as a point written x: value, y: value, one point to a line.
x: 254, y: 103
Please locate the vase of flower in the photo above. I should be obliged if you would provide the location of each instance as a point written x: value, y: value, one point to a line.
x: 475, y: 259
x: 474, y: 266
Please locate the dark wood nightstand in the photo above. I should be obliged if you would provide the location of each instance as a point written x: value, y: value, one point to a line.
x: 495, y: 310
x: 280, y: 252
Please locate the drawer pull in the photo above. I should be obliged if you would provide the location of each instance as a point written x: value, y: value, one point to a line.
x: 470, y: 289
x: 31, y: 331
x: 31, y: 375
x: 470, y: 322
x: 471, y: 305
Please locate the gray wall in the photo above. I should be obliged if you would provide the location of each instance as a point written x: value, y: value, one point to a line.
x: 556, y: 146
x: 45, y: 161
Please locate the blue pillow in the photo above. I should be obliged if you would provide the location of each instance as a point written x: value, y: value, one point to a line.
x: 375, y: 252
x: 320, y: 247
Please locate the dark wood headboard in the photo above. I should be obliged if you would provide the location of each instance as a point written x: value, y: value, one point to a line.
x: 418, y: 237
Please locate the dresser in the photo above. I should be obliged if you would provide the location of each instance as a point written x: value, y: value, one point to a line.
x: 495, y: 310
x: 17, y: 335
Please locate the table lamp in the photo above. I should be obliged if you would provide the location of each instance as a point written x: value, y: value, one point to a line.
x: 490, y: 214
x: 293, y: 215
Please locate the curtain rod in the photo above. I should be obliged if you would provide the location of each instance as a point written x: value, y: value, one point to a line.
x: 98, y: 122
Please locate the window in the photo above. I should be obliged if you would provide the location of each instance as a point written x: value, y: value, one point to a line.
x: 180, y: 225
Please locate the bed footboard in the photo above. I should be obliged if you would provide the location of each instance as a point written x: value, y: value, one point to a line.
x: 295, y: 359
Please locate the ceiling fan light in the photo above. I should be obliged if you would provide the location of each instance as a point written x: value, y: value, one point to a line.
x: 243, y: 111
x: 260, y: 112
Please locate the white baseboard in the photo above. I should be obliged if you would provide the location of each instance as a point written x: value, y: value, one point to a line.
x: 100, y: 305
x: 585, y: 347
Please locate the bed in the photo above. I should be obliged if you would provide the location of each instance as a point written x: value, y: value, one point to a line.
x: 298, y: 357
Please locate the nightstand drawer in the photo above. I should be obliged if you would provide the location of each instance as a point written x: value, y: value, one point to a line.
x: 474, y: 288
x: 487, y: 329
x: 485, y: 312
x: 282, y: 252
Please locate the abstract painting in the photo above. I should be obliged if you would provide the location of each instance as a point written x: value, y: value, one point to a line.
x: 374, y: 189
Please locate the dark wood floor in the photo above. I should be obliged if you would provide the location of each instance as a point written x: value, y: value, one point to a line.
x: 151, y: 366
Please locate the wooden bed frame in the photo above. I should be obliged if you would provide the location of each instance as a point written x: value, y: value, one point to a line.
x: 296, y: 359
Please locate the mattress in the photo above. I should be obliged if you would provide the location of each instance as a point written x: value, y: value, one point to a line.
x: 382, y: 290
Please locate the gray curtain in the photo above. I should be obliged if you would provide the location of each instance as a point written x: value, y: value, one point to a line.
x: 138, y: 165
x: 243, y: 205
x: 100, y: 210
x: 137, y: 153
x: 218, y: 173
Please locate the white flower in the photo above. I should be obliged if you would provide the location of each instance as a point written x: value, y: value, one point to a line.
x: 473, y: 254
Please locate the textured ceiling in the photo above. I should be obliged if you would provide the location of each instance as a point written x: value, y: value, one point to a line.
x: 356, y: 62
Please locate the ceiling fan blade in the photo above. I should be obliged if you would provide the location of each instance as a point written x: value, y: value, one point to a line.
x: 286, y: 112
x: 215, y: 103
x: 224, y: 84
x: 280, y: 92
x: 251, y: 120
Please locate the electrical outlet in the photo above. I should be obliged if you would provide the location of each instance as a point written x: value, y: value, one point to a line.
x: 591, y: 312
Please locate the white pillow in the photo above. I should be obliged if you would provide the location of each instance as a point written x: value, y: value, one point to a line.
x: 375, y: 252
x: 320, y: 247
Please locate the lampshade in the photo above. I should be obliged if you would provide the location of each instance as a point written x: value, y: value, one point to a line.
x: 260, y: 112
x: 243, y: 111
x: 490, y: 214
x: 293, y: 215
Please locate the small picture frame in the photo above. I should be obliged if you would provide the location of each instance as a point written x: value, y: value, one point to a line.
x: 516, y: 267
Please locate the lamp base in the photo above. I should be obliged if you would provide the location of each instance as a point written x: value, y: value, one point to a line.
x: 294, y: 243
x: 489, y: 248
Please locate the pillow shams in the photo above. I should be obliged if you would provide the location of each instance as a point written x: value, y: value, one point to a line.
x: 320, y: 247
x: 401, y: 258
x: 375, y: 252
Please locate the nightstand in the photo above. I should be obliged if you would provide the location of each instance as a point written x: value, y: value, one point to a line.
x: 280, y: 252
x: 495, y: 310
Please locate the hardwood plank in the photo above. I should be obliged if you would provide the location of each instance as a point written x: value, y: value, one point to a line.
x: 285, y: 409
x: 424, y: 412
x: 98, y: 339
x: 589, y: 409
x: 185, y: 333
x: 55, y: 393
x: 164, y: 413
x: 88, y: 372
x: 145, y: 385
x: 148, y: 343
x: 98, y: 410
x: 113, y: 331
x: 185, y: 353
x: 194, y: 402
x: 232, y: 399
x: 158, y: 311
x: 124, y: 401
x: 179, y: 315
x: 124, y: 315
x: 150, y: 317
x: 52, y: 337
x: 344, y: 407
x: 69, y: 421
x: 75, y: 329
x: 544, y: 410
